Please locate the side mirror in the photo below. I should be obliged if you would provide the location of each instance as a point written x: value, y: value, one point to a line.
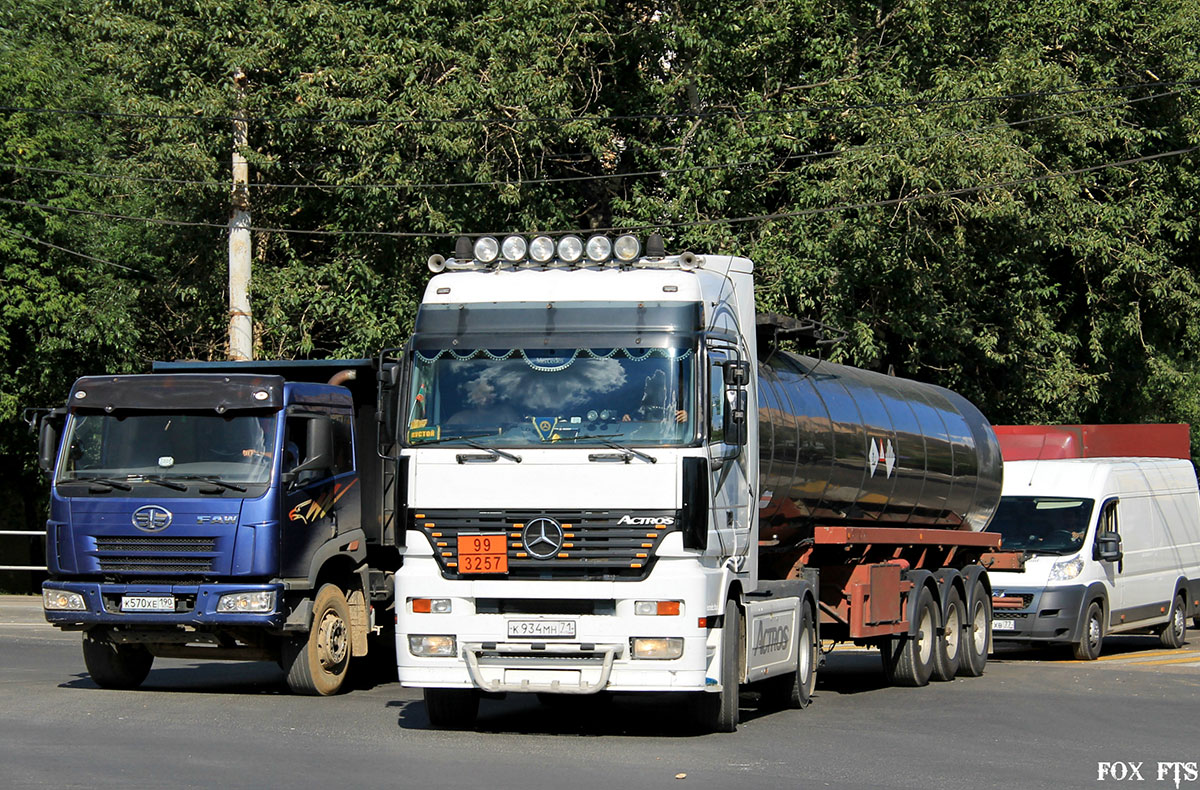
x: 388, y: 400
x: 1108, y: 547
x: 735, y: 417
x: 47, y: 444
x: 320, y: 449
x: 737, y: 373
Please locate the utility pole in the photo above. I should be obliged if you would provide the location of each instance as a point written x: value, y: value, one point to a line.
x: 241, y: 326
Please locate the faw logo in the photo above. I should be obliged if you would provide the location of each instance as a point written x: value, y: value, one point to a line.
x: 647, y: 521
x: 318, y: 507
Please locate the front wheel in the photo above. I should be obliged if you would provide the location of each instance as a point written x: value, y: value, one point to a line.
x: 795, y: 689
x: 1174, y: 633
x: 317, y: 665
x: 452, y: 708
x: 115, y: 666
x: 718, y: 711
x: 1088, y: 646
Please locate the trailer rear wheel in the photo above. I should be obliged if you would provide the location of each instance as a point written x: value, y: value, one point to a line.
x: 950, y: 644
x: 908, y: 660
x: 1089, y: 644
x: 317, y: 665
x: 114, y: 666
x: 452, y: 708
x: 718, y: 711
x: 979, y: 632
x: 795, y: 689
x: 1174, y: 633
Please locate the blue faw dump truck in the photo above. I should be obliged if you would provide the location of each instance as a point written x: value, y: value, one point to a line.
x: 226, y: 511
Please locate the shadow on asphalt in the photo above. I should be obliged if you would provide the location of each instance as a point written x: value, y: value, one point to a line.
x: 1113, y: 646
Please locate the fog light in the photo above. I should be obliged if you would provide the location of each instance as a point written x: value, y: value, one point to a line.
x: 541, y: 249
x: 626, y: 248
x: 486, y: 249
x: 63, y: 601
x: 659, y: 648
x: 513, y: 248
x: 570, y: 249
x: 426, y: 645
x: 258, y: 602
x: 599, y: 249
x: 431, y: 605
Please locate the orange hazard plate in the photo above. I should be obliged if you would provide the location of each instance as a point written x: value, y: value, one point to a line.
x: 482, y: 554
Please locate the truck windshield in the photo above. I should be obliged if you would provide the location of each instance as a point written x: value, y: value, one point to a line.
x: 1042, y: 525
x: 528, y: 397
x: 155, y: 446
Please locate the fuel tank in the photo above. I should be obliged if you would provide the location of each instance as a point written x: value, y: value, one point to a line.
x: 844, y: 446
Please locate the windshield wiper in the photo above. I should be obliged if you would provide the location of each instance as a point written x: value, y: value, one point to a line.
x: 494, y: 451
x: 164, y: 482
x: 103, y: 481
x: 626, y: 452
x: 216, y: 481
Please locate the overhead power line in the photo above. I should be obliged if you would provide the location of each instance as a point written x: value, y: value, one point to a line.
x: 761, y: 162
x: 694, y: 114
x: 625, y: 228
x: 76, y: 253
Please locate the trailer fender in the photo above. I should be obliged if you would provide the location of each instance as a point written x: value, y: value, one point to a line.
x: 919, y: 579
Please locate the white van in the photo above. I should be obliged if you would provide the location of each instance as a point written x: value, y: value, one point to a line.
x: 1111, y: 545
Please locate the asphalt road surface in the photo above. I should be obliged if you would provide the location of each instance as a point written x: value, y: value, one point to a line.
x: 1034, y: 720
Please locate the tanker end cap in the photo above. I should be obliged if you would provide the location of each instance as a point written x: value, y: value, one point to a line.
x: 437, y: 264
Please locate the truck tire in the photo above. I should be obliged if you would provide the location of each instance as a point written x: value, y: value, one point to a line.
x: 114, y: 666
x: 795, y: 689
x: 452, y: 708
x: 316, y: 664
x: 978, y: 632
x: 1092, y: 638
x: 718, y: 711
x: 1174, y: 633
x: 908, y: 660
x: 950, y: 644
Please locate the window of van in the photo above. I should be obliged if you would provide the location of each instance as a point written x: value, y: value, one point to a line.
x: 1042, y: 525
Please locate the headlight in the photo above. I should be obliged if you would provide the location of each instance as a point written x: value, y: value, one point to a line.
x: 261, y: 601
x: 661, y: 648
x: 1063, y: 570
x: 62, y: 601
x: 428, y: 645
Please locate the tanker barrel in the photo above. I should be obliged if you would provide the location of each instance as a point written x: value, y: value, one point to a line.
x: 844, y: 446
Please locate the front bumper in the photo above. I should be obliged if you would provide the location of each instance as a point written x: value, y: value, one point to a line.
x: 195, y: 605
x: 1052, y: 615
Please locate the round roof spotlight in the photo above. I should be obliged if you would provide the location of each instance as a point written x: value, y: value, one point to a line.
x: 599, y: 249
x: 570, y: 249
x: 541, y: 249
x: 486, y: 249
x: 513, y: 248
x: 627, y: 248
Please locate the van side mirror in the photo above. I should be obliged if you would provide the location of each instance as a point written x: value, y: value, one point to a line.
x: 737, y: 372
x: 735, y: 417
x: 1108, y: 547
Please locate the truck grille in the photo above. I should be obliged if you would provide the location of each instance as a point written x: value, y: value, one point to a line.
x: 595, y: 545
x: 153, y: 554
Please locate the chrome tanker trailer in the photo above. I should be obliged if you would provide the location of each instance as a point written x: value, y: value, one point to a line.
x: 616, y: 479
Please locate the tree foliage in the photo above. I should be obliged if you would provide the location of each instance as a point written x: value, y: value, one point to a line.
x: 937, y: 178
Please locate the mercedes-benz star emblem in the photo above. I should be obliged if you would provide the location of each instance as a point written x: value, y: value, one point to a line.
x: 152, y: 518
x: 543, y: 538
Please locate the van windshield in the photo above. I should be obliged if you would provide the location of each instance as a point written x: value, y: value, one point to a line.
x: 1042, y: 525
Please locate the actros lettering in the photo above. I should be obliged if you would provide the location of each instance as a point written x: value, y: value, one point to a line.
x: 647, y: 521
x: 771, y: 639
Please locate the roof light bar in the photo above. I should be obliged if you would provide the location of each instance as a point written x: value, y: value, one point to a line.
x: 487, y: 252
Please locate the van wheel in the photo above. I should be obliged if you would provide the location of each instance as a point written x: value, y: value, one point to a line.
x: 1088, y: 647
x: 1174, y: 633
x: 950, y: 644
x: 979, y: 632
x: 317, y: 665
x: 114, y: 666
